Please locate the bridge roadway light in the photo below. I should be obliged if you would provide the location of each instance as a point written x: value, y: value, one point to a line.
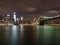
x: 51, y: 17
x: 58, y: 15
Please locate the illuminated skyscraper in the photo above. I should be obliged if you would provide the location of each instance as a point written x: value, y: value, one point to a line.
x: 21, y: 18
x: 14, y: 16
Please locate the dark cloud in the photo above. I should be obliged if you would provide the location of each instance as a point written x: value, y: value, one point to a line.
x: 29, y: 6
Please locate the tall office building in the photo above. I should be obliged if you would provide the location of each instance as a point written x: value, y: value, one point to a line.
x: 14, y: 16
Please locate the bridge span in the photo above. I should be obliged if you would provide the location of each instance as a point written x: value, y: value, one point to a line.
x: 42, y: 22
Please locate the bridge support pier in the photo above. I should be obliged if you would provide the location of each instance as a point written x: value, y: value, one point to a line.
x: 42, y: 22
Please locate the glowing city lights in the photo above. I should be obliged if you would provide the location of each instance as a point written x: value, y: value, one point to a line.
x: 27, y: 20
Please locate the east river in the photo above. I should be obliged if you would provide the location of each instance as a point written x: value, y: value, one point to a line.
x: 29, y: 35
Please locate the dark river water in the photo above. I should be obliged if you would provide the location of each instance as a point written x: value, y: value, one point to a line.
x: 29, y: 35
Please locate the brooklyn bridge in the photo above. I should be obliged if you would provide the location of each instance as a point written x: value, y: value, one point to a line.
x: 47, y: 20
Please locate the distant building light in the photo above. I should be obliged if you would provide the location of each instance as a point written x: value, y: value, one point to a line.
x: 34, y: 19
x: 21, y: 18
x: 14, y: 13
x: 8, y: 15
x: 17, y: 19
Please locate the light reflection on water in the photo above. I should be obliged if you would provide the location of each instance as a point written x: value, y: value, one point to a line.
x: 47, y: 35
x: 21, y: 30
x: 13, y: 35
x: 29, y: 35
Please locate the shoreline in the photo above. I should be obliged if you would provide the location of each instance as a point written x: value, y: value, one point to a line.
x: 13, y: 24
x: 53, y: 24
x: 28, y: 24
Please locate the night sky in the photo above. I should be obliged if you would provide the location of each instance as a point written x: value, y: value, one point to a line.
x: 30, y: 7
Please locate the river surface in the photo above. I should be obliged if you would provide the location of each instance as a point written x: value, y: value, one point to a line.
x: 29, y: 35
